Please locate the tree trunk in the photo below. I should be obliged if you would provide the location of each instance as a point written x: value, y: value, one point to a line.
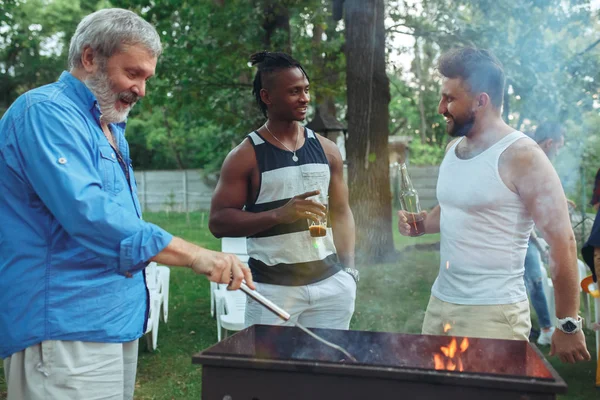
x: 325, y: 103
x: 368, y: 115
x: 276, y: 16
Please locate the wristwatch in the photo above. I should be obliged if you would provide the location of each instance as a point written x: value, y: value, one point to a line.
x: 570, y: 325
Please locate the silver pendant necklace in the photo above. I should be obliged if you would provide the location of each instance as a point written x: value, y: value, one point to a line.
x: 294, y: 156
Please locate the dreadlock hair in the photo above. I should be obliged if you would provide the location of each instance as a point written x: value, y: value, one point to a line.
x: 269, y: 63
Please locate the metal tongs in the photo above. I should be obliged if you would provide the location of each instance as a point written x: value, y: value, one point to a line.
x: 284, y: 315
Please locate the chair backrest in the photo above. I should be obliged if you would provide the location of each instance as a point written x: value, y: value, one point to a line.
x: 151, y: 276
x: 235, y: 245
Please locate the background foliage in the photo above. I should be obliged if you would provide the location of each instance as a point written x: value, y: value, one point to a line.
x: 200, y: 104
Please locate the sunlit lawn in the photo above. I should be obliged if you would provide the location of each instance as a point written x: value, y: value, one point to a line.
x: 391, y: 297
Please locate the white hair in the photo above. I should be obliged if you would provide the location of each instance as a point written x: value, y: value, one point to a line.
x: 106, y: 31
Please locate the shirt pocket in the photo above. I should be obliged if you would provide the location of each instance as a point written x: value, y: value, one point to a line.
x: 110, y: 170
x: 316, y: 179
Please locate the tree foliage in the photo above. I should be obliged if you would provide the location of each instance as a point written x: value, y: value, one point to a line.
x: 550, y: 51
x: 34, y: 38
x: 201, y: 100
x: 200, y: 104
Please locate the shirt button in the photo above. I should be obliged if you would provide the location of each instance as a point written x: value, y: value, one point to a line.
x: 62, y: 160
x: 112, y: 155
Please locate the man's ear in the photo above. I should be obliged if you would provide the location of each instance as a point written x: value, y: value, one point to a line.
x: 546, y: 144
x: 265, y: 97
x: 483, y: 99
x: 88, y: 61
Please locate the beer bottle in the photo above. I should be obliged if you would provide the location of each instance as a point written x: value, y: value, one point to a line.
x: 409, y: 201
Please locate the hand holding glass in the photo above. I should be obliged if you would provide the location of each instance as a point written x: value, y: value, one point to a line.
x: 318, y: 227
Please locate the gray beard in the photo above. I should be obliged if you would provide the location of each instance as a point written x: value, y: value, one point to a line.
x: 99, y: 84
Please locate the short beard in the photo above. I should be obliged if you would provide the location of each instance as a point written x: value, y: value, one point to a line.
x: 460, y: 129
x: 100, y: 85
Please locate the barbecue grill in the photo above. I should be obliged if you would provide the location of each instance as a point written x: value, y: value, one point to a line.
x: 276, y: 362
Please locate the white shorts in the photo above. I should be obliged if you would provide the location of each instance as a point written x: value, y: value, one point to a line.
x: 325, y: 304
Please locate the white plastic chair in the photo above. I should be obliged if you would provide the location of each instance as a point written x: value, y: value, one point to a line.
x: 157, y: 282
x: 233, y: 245
x: 229, y: 307
x: 164, y: 278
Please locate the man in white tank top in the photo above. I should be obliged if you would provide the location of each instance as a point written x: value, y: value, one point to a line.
x: 494, y: 183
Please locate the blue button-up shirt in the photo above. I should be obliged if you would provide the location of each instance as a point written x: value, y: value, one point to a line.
x: 70, y: 224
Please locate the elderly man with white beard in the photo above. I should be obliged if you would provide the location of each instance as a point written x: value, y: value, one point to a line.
x: 72, y: 240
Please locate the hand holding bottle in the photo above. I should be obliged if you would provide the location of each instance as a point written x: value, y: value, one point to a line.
x: 411, y: 218
x: 411, y: 224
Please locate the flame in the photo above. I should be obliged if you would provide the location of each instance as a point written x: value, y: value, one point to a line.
x: 447, y: 264
x: 450, y: 359
x: 447, y: 327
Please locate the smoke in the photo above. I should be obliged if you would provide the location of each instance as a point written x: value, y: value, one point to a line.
x: 392, y: 297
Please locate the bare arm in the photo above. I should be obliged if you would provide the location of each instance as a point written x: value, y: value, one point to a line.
x: 533, y: 178
x: 342, y: 220
x: 432, y: 221
x: 538, y: 185
x: 227, y: 217
x: 217, y: 267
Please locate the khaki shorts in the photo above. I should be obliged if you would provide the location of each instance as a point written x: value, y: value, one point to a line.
x: 67, y: 370
x: 498, y: 321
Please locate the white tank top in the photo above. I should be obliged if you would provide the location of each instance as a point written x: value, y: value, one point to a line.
x: 484, y: 230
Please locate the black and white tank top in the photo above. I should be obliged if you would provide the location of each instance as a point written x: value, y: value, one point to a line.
x: 286, y: 254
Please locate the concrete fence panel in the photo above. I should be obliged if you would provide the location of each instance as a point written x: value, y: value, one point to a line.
x: 187, y: 190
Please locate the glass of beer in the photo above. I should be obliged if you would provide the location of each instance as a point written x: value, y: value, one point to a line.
x: 319, y: 228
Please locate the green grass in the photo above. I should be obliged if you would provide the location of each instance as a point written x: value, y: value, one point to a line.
x: 391, y: 297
